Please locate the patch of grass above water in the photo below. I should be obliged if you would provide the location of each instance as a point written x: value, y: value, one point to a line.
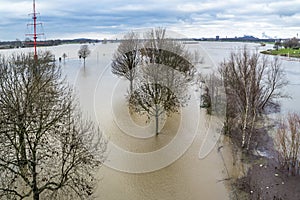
x: 284, y: 52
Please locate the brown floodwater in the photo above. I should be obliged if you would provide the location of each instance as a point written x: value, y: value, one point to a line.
x: 180, y: 163
x: 183, y: 162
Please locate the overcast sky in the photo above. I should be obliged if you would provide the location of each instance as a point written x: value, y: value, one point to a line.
x: 97, y: 19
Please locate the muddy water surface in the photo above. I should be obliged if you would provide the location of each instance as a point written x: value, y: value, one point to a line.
x: 196, y: 172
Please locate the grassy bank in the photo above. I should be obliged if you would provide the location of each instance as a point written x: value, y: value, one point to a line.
x: 295, y: 53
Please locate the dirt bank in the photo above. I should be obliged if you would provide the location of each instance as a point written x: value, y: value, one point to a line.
x: 264, y: 179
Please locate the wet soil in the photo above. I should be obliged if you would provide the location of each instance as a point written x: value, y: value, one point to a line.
x: 265, y: 179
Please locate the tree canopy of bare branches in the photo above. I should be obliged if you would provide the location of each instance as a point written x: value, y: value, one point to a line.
x: 126, y: 58
x: 213, y: 96
x: 291, y: 43
x: 154, y: 100
x: 64, y: 56
x: 288, y: 143
x: 164, y: 77
x: 164, y: 51
x: 84, y: 52
x: 252, y: 83
x: 47, y: 150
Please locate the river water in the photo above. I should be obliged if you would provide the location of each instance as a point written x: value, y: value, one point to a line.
x: 183, y: 161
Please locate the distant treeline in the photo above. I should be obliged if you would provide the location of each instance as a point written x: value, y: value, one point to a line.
x: 29, y: 43
x: 237, y: 39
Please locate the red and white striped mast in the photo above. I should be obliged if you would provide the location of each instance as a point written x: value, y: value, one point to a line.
x: 34, y: 30
x: 35, y: 34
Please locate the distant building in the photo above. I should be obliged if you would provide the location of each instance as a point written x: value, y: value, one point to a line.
x: 217, y: 38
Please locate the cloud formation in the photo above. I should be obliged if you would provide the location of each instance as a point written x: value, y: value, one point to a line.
x: 193, y: 18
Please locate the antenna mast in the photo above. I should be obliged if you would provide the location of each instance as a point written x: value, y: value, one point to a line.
x: 34, y: 30
x: 35, y: 34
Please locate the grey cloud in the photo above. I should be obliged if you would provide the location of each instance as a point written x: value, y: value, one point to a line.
x: 63, y: 17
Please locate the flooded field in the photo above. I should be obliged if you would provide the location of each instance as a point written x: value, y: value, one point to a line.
x: 183, y: 162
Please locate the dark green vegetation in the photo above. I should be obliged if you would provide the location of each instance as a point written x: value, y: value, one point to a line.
x: 289, y: 52
x: 289, y: 48
x: 47, y: 151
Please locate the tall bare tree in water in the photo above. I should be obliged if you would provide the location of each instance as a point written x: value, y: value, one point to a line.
x: 126, y: 58
x: 164, y: 77
x: 47, y: 150
x: 252, y: 83
x: 84, y: 52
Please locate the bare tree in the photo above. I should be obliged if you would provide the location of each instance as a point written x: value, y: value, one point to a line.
x: 288, y: 143
x: 197, y: 58
x: 154, y: 100
x: 164, y: 78
x: 212, y: 94
x: 252, y: 84
x: 126, y: 58
x: 165, y: 51
x: 84, y: 52
x: 46, y: 149
x: 291, y: 43
x: 64, y: 56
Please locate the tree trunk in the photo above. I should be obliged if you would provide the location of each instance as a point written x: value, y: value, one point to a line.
x: 131, y: 86
x: 35, y: 190
x: 23, y: 161
x: 84, y: 62
x: 36, y: 195
x: 251, y: 130
x: 244, y: 128
x: 156, y: 120
x: 156, y: 124
x: 245, y: 119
